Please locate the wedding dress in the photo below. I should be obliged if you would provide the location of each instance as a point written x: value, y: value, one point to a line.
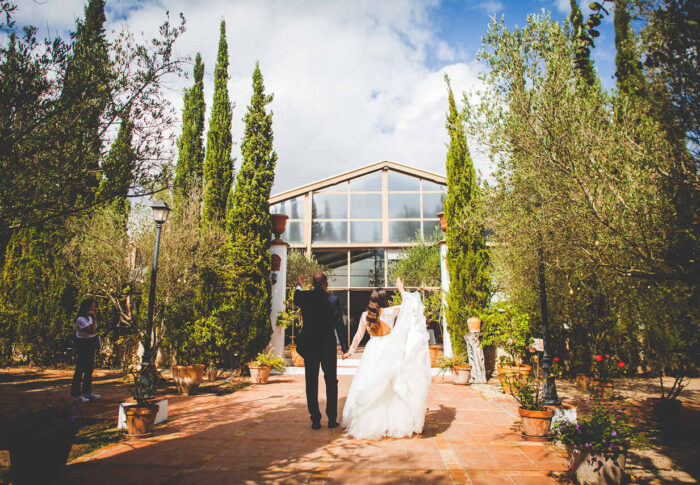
x: 388, y: 393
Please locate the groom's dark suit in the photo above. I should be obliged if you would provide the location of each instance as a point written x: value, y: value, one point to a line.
x: 323, y: 317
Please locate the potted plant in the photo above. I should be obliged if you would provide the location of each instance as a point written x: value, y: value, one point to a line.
x: 459, y: 366
x: 141, y: 416
x: 506, y: 327
x: 290, y: 317
x: 261, y: 366
x: 39, y: 442
x: 535, y: 417
x: 197, y: 344
x: 597, y: 446
x: 605, y: 367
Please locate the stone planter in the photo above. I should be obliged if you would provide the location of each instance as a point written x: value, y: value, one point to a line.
x: 597, y: 468
x: 40, y: 457
x: 583, y: 382
x: 188, y: 377
x: 461, y: 374
x: 297, y: 360
x: 434, y: 351
x: 603, y: 390
x: 535, y: 424
x: 140, y: 420
x: 474, y: 324
x: 259, y: 374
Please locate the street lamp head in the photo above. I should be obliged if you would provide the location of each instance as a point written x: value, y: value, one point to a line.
x: 161, y: 210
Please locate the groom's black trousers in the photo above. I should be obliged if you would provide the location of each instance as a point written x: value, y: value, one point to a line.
x: 328, y: 360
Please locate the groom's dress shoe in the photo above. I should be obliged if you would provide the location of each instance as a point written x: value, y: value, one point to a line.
x: 316, y: 425
x: 333, y: 424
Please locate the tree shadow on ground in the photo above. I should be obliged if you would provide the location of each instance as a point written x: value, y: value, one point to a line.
x: 253, y: 438
x: 437, y: 421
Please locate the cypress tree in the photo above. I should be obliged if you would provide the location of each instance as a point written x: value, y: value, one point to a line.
x: 250, y: 221
x: 467, y: 258
x: 118, y: 169
x: 190, y: 162
x: 582, y: 55
x: 218, y: 165
x: 85, y: 95
x: 628, y: 69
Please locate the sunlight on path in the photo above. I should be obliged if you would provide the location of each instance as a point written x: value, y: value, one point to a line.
x: 262, y: 435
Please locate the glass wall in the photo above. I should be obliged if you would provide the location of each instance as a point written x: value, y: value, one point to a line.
x: 376, y: 209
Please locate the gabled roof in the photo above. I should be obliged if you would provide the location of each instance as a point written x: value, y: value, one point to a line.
x: 416, y: 172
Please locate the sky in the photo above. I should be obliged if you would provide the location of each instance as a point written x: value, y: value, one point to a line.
x: 355, y: 82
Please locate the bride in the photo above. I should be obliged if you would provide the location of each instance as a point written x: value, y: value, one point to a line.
x: 387, y: 396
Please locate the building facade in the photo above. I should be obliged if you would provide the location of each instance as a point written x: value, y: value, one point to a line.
x: 356, y: 224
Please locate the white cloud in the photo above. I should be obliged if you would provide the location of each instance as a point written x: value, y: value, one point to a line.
x: 491, y: 6
x: 563, y: 6
x: 350, y: 78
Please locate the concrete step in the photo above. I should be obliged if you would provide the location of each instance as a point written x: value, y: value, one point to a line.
x: 347, y: 367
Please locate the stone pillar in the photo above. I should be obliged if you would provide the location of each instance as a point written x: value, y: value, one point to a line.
x: 445, y: 279
x: 278, y: 278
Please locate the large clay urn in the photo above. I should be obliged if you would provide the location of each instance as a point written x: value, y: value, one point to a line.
x: 279, y: 224
x: 443, y: 221
x: 188, y: 377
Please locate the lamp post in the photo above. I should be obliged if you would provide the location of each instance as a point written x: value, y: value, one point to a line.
x: 161, y: 211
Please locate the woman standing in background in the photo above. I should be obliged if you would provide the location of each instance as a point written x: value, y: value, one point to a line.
x: 86, y: 342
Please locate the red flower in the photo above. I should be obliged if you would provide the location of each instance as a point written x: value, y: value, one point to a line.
x: 607, y: 356
x: 556, y: 359
x: 599, y: 358
x: 621, y: 364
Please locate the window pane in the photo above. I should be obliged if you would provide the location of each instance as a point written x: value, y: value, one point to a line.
x: 432, y: 204
x: 294, y: 233
x: 330, y: 206
x: 404, y: 231
x: 370, y: 182
x: 294, y: 208
x: 330, y: 232
x: 366, y: 206
x: 337, y: 263
x: 341, y: 187
x: 366, y: 231
x: 399, y: 181
x: 431, y: 231
x: 367, y: 268
x: 404, y: 206
x: 432, y: 186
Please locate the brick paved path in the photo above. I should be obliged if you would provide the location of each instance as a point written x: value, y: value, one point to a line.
x: 262, y: 434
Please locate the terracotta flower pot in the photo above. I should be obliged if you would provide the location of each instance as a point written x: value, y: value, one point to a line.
x: 188, y: 377
x: 604, y: 390
x: 297, y: 360
x: 474, y: 324
x: 259, y: 374
x: 583, y: 382
x: 434, y: 351
x: 535, y: 424
x: 443, y: 221
x: 279, y: 224
x: 592, y: 468
x: 40, y: 457
x: 140, y: 420
x: 505, y: 383
x: 461, y: 374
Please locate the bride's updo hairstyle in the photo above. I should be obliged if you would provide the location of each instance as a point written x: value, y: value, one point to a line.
x: 377, y: 300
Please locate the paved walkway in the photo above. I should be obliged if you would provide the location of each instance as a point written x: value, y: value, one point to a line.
x: 262, y: 434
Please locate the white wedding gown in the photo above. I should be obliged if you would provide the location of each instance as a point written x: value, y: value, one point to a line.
x: 388, y: 393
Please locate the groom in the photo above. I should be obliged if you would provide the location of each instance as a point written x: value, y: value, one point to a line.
x: 322, y: 317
